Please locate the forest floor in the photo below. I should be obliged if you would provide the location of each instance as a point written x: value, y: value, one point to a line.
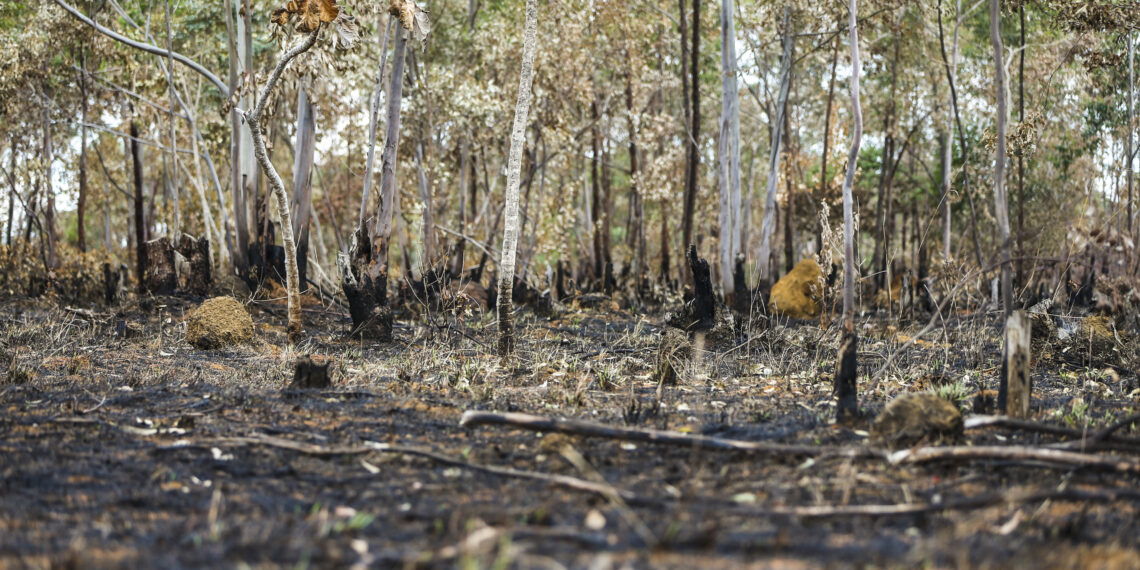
x: 146, y: 452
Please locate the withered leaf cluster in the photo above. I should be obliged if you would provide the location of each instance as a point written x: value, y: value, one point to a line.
x: 306, y: 15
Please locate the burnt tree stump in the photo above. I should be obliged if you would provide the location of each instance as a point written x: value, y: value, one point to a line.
x: 311, y: 372
x: 1015, y: 388
x: 699, y: 311
x: 365, y: 283
x: 159, y: 277
x: 197, y: 254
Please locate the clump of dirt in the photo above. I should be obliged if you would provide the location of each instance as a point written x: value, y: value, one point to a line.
x: 218, y: 323
x: 915, y: 418
x: 673, y: 354
x: 798, y: 294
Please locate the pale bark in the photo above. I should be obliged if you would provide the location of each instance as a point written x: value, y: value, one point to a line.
x: 176, y: 225
x: 729, y: 152
x: 253, y: 119
x: 373, y: 118
x: 303, y: 148
x: 49, y: 197
x: 1001, y: 201
x: 240, y: 252
x: 845, y: 386
x: 1129, y: 131
x: 768, y: 223
x: 514, y: 166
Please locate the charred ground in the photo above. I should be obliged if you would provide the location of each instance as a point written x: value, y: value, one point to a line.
x: 125, y: 448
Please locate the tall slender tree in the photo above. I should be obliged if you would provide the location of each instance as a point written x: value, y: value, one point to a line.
x: 514, y: 168
x: 1001, y: 211
x: 729, y: 153
x: 846, y: 394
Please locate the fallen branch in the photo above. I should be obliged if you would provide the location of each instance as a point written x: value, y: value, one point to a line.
x: 1014, y: 453
x: 647, y: 435
x: 1105, y: 435
x: 967, y: 504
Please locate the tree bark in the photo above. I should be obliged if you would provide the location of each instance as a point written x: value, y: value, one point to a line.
x: 693, y: 159
x: 824, y: 178
x: 514, y: 167
x: 1000, y: 200
x: 176, y: 210
x: 1129, y: 131
x: 253, y: 119
x: 846, y: 394
x: 49, y: 196
x: 768, y: 223
x: 729, y: 154
x: 373, y: 119
x: 81, y: 203
x: 303, y: 148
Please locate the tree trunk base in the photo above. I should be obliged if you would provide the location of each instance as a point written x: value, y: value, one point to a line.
x: 846, y: 394
x: 311, y: 373
x: 159, y: 277
x: 197, y: 278
x: 364, y: 282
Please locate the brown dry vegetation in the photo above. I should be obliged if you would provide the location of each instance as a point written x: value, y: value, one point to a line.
x: 147, y: 452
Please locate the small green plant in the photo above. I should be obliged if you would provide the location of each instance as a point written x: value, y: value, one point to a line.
x: 956, y: 393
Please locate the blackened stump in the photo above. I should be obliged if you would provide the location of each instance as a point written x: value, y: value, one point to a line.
x: 159, y: 277
x: 197, y: 254
x: 704, y: 302
x: 365, y: 284
x: 311, y: 372
x: 846, y: 396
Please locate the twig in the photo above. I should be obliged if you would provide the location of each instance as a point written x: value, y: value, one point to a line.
x: 1103, y: 436
x: 1016, y: 454
x: 648, y: 435
x: 971, y: 503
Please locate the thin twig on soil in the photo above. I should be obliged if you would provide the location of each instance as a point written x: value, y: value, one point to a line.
x: 649, y: 435
x: 1015, y: 453
x: 1105, y: 435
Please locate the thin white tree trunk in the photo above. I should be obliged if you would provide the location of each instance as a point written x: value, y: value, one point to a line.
x: 176, y: 226
x: 845, y: 387
x: 253, y: 119
x: 1001, y: 202
x: 1129, y: 130
x: 373, y: 118
x: 731, y: 236
x: 514, y: 166
x: 768, y: 223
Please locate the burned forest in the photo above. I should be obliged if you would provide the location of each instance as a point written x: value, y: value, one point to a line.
x: 569, y: 284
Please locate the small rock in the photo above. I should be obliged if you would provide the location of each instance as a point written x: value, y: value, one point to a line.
x: 915, y: 418
x: 218, y: 323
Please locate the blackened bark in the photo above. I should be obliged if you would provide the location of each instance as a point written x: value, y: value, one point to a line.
x: 140, y: 228
x: 159, y: 277
x: 365, y: 285
x: 704, y: 301
x: 197, y: 253
x: 845, y: 391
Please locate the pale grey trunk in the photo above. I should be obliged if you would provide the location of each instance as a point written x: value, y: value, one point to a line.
x: 373, y: 118
x: 428, y: 221
x: 768, y: 223
x: 383, y: 227
x: 1129, y: 130
x: 947, y: 149
x: 176, y: 210
x: 731, y: 236
x: 514, y: 166
x: 241, y: 221
x: 1001, y: 202
x: 253, y: 119
x: 303, y: 148
x: 849, y: 178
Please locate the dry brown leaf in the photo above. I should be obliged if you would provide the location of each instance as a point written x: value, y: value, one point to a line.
x: 310, y: 13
